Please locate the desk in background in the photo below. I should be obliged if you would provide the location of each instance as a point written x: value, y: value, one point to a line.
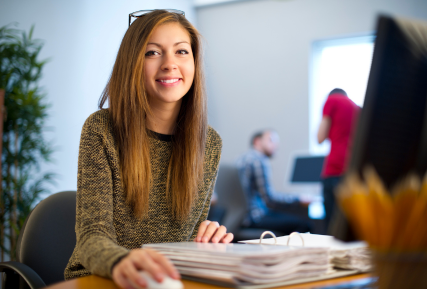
x: 93, y: 281
x: 303, y: 180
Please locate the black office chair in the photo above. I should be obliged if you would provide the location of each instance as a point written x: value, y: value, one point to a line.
x: 45, y: 244
x: 232, y: 197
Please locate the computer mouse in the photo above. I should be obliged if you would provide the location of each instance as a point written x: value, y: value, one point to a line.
x: 168, y: 282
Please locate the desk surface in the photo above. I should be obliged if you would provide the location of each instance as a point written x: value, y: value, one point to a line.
x: 93, y: 281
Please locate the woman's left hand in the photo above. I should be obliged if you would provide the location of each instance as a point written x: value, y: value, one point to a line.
x: 213, y: 232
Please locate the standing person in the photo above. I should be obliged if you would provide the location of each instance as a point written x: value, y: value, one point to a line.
x: 148, y: 162
x: 339, y: 117
x: 265, y: 210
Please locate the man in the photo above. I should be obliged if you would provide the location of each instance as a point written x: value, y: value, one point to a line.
x: 339, y: 117
x: 255, y: 176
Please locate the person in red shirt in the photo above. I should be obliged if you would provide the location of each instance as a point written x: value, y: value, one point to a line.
x: 339, y: 117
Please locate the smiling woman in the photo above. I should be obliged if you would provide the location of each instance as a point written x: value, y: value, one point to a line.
x: 148, y: 163
x: 169, y: 73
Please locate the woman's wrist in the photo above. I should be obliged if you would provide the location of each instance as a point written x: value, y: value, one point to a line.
x: 117, y: 262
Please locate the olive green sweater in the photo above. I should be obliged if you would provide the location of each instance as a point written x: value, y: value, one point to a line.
x: 106, y: 228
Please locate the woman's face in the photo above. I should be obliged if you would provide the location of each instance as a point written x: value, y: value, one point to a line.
x: 169, y: 64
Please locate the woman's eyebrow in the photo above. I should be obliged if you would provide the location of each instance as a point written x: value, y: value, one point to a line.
x: 160, y: 46
x: 181, y: 42
x: 153, y: 43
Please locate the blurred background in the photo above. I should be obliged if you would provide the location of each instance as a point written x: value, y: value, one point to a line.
x: 269, y: 64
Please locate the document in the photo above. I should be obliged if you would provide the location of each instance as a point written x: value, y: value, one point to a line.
x: 249, y: 266
x: 343, y: 255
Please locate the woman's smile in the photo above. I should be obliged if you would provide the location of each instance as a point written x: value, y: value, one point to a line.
x: 169, y: 82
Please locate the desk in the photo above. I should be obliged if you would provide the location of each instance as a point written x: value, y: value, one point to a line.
x: 90, y: 282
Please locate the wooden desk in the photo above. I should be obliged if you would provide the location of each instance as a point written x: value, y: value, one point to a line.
x: 93, y: 281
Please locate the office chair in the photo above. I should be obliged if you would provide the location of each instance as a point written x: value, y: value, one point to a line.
x: 232, y: 197
x: 45, y: 244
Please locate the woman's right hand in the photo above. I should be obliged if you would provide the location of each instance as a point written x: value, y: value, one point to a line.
x: 125, y: 272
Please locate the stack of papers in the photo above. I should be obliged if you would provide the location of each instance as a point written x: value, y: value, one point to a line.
x: 352, y: 258
x: 352, y: 255
x: 240, y: 265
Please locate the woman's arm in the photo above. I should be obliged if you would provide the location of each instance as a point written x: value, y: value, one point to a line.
x: 205, y: 230
x: 96, y: 236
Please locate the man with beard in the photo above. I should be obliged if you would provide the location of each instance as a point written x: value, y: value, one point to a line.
x: 265, y: 211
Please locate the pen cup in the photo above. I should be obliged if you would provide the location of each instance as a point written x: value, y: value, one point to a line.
x: 397, y: 270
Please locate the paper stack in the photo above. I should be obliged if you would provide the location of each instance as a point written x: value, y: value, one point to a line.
x: 357, y: 258
x: 352, y: 255
x: 239, y: 264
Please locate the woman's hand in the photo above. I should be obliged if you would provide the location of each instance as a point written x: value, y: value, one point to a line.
x: 213, y: 232
x: 125, y: 273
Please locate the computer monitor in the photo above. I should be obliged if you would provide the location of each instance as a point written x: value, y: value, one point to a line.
x: 305, y: 177
x: 307, y: 169
x: 302, y: 174
x: 392, y: 130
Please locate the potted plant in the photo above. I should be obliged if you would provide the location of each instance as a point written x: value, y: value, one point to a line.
x: 24, y: 146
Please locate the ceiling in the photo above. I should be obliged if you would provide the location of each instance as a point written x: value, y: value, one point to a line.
x: 199, y: 3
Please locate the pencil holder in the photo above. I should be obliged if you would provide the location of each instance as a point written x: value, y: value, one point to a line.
x: 397, y: 270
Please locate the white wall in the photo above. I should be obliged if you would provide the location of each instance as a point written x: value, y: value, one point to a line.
x: 198, y: 3
x: 81, y: 38
x: 257, y: 60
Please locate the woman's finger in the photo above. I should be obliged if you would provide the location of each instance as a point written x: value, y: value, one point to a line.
x: 165, y: 264
x: 126, y: 272
x: 219, y: 234
x: 202, y: 229
x: 227, y: 238
x: 131, y: 274
x: 123, y: 282
x: 145, y: 261
x: 210, y: 231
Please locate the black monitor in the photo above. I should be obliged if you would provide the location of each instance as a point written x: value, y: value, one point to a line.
x: 392, y: 130
x: 307, y: 169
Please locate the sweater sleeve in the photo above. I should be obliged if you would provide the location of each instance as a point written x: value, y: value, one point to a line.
x: 213, y: 163
x: 96, y: 236
x: 203, y: 215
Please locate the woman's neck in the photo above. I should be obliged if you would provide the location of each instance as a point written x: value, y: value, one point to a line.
x: 163, y: 118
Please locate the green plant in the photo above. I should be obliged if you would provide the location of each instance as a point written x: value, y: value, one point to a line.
x: 24, y: 145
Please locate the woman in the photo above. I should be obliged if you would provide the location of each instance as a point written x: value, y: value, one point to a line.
x: 148, y: 163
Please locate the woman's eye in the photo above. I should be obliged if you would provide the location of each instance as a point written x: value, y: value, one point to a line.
x: 182, y: 51
x: 151, y: 53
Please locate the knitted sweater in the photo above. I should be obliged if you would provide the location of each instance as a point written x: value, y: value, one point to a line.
x: 106, y: 228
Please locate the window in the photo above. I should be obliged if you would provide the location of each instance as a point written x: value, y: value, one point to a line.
x: 340, y: 63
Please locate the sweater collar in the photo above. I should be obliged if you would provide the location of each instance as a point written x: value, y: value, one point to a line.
x: 159, y: 136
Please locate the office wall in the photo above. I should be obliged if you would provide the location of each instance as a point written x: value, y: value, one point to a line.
x: 81, y: 38
x: 257, y: 60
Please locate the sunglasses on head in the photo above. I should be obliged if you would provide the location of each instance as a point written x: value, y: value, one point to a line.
x: 140, y: 13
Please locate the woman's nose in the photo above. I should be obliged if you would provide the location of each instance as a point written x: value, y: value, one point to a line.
x: 168, y: 63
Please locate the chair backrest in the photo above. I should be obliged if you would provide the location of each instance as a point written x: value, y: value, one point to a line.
x: 231, y: 196
x: 48, y: 237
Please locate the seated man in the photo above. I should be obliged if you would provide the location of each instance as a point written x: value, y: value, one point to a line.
x: 255, y: 173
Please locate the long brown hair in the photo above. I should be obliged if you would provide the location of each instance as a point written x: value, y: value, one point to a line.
x: 129, y: 106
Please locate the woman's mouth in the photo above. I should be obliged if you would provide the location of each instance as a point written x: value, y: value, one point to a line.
x: 169, y: 82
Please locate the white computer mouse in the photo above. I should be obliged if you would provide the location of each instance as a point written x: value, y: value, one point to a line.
x: 168, y: 282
